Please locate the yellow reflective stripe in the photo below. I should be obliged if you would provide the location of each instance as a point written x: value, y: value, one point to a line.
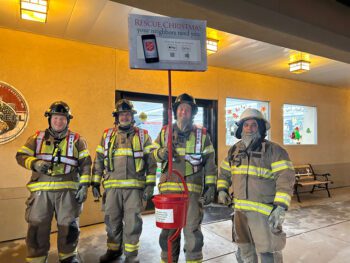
x: 123, y: 152
x: 28, y: 162
x: 131, y: 247
x: 181, y: 151
x: 123, y: 183
x: 253, y: 170
x: 226, y: 166
x: 281, y: 165
x: 283, y: 198
x: 96, y: 178
x: 85, y: 178
x: 155, y: 154
x: 195, y: 261
x: 113, y: 246
x: 83, y: 154
x: 100, y: 149
x: 208, y: 149
x: 36, y: 259
x: 148, y: 148
x: 210, y: 179
x: 222, y: 184
x: 42, y: 186
x: 178, y: 187
x: 25, y: 149
x: 150, y: 178
x: 246, y: 205
x: 63, y: 256
x: 156, y: 145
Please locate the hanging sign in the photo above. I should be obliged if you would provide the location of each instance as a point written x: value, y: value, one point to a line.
x: 14, y: 113
x: 166, y: 43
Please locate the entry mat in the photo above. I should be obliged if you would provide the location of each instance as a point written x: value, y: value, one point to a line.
x: 215, y: 213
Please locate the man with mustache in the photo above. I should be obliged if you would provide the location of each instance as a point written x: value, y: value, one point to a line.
x: 262, y: 177
x: 194, y: 158
x: 122, y: 159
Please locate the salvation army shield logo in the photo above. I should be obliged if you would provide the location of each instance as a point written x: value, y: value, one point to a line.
x: 14, y: 113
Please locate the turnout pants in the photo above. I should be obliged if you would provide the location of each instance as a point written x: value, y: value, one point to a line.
x: 192, y: 232
x: 254, y: 235
x: 41, y: 206
x: 123, y: 205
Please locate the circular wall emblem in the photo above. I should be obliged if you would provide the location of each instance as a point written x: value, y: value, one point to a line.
x: 14, y: 113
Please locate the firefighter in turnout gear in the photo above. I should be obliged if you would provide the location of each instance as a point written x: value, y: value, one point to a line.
x: 60, y: 164
x: 123, y: 161
x: 194, y: 158
x: 262, y: 176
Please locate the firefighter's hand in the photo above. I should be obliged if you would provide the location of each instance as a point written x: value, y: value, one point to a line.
x: 96, y: 192
x: 148, y: 192
x: 163, y: 153
x: 224, y: 198
x: 277, y: 216
x: 81, y: 194
x: 42, y: 167
x: 209, y: 195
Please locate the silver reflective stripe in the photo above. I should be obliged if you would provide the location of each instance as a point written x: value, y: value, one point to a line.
x: 39, y: 142
x: 65, y: 160
x: 108, y: 138
x: 138, y: 154
x: 70, y: 146
x: 194, y: 159
x: 198, y: 140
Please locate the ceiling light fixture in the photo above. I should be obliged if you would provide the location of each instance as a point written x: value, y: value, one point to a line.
x: 212, y: 46
x: 299, y: 62
x: 34, y: 10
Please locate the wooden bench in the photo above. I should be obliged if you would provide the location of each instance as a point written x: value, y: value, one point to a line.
x: 305, y: 176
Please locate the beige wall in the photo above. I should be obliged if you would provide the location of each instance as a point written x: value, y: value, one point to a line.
x: 86, y: 76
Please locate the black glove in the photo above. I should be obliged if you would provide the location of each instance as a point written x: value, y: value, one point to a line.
x: 42, y: 167
x: 96, y: 192
x: 81, y: 194
x: 163, y: 153
x: 209, y: 195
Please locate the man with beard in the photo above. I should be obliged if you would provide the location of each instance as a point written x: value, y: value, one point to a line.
x: 262, y: 176
x: 194, y: 158
x: 61, y: 164
x: 122, y: 159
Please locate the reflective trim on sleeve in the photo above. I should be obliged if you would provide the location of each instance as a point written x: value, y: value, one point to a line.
x: 155, y: 154
x: 281, y: 165
x: 225, y: 165
x: 222, y: 184
x: 96, y: 178
x: 28, y: 162
x: 150, y: 178
x: 210, y: 179
x: 246, y: 205
x: 83, y: 154
x: 26, y: 150
x: 148, y: 148
x: 195, y: 261
x: 283, y: 198
x: 100, y: 149
x: 85, y: 178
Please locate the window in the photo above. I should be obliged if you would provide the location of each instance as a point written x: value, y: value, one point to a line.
x: 299, y: 124
x: 234, y: 109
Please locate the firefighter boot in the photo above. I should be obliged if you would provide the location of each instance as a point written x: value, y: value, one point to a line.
x: 132, y: 259
x: 110, y: 255
x: 73, y: 259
